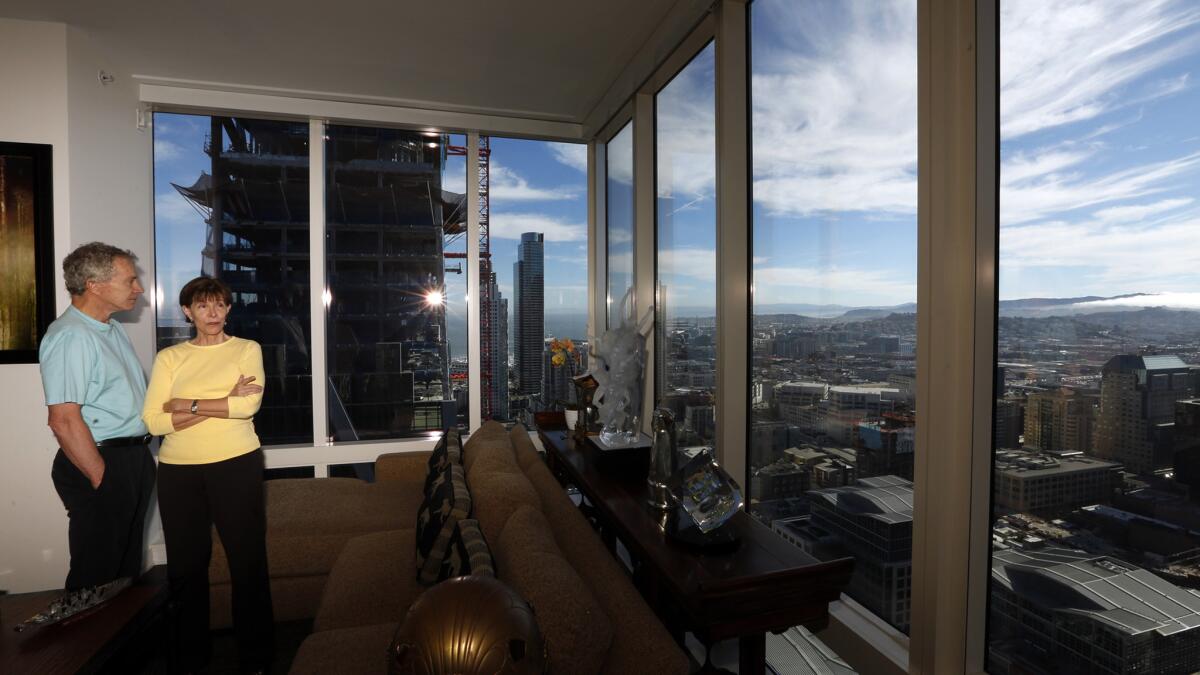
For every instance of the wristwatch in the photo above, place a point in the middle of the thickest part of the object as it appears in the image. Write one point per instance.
(195, 406)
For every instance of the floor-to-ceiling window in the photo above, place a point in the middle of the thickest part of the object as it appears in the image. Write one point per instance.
(1095, 564)
(392, 228)
(834, 269)
(618, 195)
(534, 286)
(231, 201)
(685, 217)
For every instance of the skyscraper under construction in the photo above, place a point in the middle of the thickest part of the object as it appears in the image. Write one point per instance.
(386, 219)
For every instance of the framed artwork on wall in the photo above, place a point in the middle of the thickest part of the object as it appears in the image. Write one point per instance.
(26, 249)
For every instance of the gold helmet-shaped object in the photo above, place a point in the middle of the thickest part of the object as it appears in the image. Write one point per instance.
(472, 625)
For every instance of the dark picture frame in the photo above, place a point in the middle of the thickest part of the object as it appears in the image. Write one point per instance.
(26, 249)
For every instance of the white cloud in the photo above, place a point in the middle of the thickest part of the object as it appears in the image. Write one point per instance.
(573, 155)
(1054, 181)
(172, 209)
(1172, 300)
(513, 225)
(619, 155)
(1108, 258)
(454, 179)
(781, 282)
(698, 263)
(835, 112)
(1139, 212)
(165, 150)
(1065, 61)
(508, 185)
(686, 133)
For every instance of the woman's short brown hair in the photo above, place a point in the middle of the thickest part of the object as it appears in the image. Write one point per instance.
(204, 288)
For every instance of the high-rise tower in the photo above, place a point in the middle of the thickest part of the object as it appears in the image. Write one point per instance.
(1137, 409)
(529, 273)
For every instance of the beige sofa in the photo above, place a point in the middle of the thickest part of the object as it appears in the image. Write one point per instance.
(344, 553)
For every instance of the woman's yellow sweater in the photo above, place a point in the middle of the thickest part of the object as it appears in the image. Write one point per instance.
(189, 371)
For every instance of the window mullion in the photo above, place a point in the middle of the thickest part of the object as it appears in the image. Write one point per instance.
(318, 286)
(474, 378)
(733, 238)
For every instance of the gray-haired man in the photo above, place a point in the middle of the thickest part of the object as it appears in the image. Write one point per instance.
(95, 388)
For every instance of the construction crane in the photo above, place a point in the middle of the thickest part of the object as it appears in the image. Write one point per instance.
(487, 332)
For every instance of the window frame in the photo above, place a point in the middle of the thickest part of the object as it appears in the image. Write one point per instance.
(322, 452)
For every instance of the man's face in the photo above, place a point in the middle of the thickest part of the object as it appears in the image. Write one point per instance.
(120, 292)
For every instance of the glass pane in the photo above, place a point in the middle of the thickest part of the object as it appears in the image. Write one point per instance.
(538, 258)
(834, 115)
(387, 218)
(1094, 564)
(685, 288)
(619, 210)
(231, 201)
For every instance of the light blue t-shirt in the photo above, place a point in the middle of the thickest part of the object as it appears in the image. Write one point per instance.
(93, 364)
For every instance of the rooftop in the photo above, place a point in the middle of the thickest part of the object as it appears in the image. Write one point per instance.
(1127, 598)
(888, 499)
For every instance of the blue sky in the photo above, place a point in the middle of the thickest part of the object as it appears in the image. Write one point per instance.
(834, 119)
(1100, 158)
(1100, 149)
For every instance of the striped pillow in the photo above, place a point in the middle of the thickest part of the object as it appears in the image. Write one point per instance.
(468, 553)
(448, 451)
(446, 504)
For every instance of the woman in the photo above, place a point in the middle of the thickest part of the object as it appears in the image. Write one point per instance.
(202, 398)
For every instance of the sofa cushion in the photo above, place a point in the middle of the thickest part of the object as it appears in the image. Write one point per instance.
(578, 633)
(496, 496)
(362, 649)
(490, 435)
(468, 553)
(447, 451)
(447, 502)
(310, 519)
(371, 582)
(640, 641)
(523, 446)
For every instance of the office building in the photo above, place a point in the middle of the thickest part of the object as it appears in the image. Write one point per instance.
(872, 520)
(1137, 410)
(1007, 423)
(495, 398)
(1059, 420)
(528, 325)
(1030, 482)
(886, 447)
(1068, 612)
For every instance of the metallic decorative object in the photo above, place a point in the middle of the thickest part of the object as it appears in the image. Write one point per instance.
(618, 364)
(663, 460)
(75, 602)
(585, 391)
(706, 492)
(468, 626)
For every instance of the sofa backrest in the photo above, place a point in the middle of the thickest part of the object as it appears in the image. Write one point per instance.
(640, 642)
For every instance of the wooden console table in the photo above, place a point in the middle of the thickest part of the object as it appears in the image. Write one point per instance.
(764, 584)
(105, 639)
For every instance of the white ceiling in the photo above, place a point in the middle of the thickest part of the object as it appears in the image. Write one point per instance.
(543, 59)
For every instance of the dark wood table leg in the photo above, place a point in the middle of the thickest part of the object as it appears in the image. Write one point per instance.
(752, 654)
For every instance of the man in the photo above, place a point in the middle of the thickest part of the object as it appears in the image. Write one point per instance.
(95, 388)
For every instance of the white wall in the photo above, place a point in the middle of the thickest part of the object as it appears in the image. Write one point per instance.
(49, 93)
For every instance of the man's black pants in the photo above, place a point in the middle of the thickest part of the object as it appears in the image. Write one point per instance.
(229, 494)
(107, 523)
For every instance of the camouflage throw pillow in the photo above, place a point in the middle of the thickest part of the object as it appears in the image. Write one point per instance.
(448, 451)
(468, 553)
(445, 504)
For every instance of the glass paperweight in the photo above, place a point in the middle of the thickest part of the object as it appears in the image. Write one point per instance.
(706, 492)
